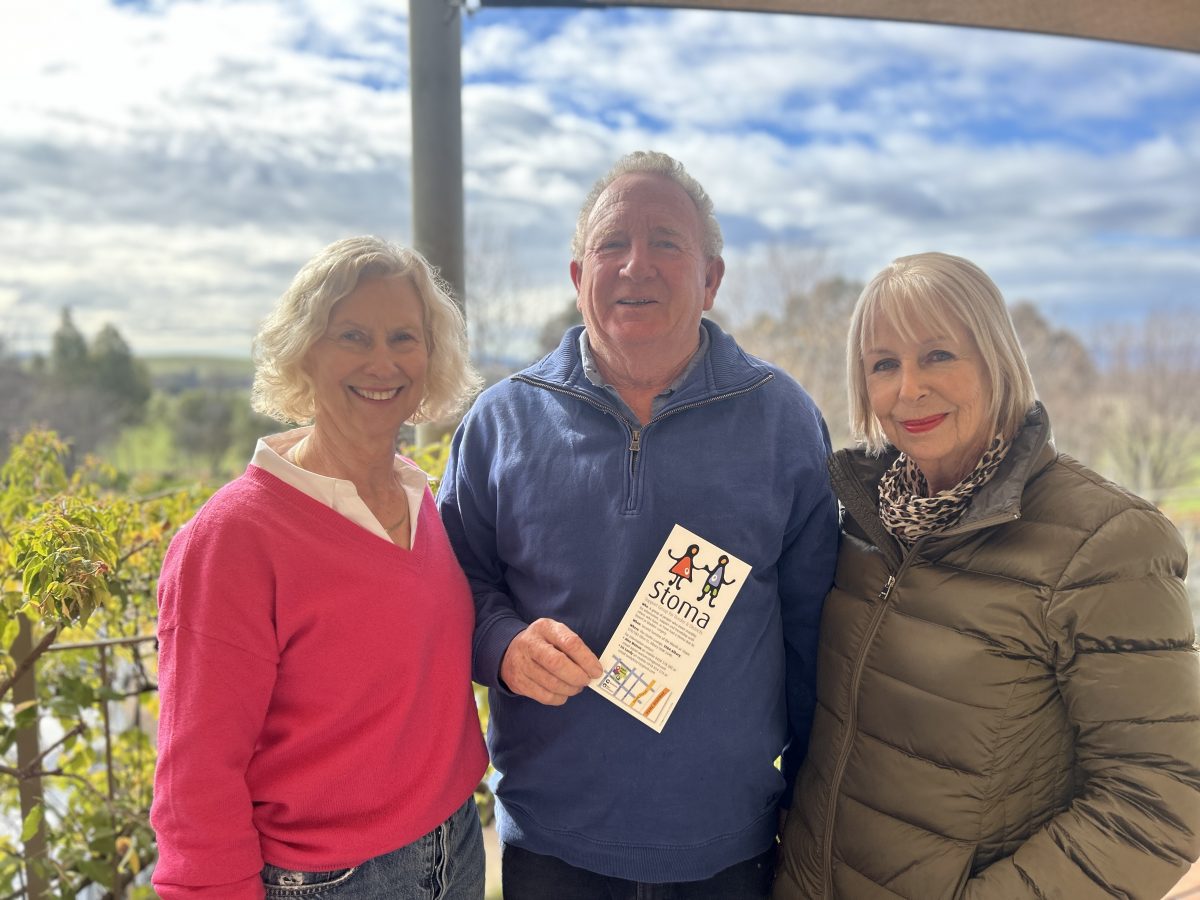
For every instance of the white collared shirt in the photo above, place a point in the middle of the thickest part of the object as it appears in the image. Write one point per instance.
(338, 494)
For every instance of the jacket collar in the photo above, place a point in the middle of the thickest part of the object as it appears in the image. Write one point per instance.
(726, 368)
(855, 477)
(1000, 498)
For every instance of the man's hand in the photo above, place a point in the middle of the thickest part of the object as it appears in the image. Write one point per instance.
(548, 662)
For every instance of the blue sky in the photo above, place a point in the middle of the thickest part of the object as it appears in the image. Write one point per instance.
(167, 166)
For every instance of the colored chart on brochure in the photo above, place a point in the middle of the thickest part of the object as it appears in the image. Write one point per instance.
(669, 625)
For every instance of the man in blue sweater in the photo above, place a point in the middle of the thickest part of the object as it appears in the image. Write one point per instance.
(563, 483)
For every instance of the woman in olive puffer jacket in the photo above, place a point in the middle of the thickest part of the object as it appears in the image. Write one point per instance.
(1008, 689)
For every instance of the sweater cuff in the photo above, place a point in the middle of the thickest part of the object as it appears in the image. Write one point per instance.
(491, 643)
(247, 889)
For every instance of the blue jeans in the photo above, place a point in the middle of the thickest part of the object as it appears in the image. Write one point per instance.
(532, 876)
(446, 864)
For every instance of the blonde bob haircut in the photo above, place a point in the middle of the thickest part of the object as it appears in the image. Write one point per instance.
(284, 391)
(945, 293)
(652, 162)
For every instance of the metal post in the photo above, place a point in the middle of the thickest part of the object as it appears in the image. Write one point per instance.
(30, 789)
(435, 80)
(435, 92)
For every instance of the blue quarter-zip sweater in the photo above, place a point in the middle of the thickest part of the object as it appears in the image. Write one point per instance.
(556, 504)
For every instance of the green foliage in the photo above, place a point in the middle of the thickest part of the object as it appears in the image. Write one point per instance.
(66, 553)
(80, 566)
(32, 822)
(147, 448)
(194, 434)
(202, 425)
(32, 472)
(431, 458)
(68, 352)
(116, 373)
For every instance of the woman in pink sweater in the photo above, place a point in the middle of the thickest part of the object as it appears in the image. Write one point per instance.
(318, 734)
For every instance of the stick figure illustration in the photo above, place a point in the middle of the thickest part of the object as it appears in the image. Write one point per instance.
(716, 578)
(683, 565)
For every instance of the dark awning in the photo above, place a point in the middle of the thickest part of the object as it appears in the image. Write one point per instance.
(1171, 24)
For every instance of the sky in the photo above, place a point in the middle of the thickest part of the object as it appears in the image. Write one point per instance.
(167, 165)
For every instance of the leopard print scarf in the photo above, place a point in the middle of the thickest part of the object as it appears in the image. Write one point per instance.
(910, 515)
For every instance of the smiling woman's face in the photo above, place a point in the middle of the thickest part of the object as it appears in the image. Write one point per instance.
(368, 368)
(930, 393)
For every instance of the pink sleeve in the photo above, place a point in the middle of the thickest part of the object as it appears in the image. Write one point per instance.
(217, 666)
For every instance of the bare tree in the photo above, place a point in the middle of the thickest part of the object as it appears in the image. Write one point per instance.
(807, 339)
(16, 396)
(1150, 418)
(1066, 378)
(495, 321)
(554, 327)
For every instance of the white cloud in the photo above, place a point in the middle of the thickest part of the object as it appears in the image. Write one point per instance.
(168, 169)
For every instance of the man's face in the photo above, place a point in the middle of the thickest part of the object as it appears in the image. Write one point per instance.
(644, 279)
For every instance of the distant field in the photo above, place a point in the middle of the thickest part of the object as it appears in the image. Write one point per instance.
(221, 366)
(175, 373)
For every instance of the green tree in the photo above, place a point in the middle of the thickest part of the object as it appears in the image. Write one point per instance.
(87, 395)
(115, 372)
(247, 427)
(69, 363)
(202, 425)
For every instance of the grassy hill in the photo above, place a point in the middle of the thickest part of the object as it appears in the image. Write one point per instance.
(172, 374)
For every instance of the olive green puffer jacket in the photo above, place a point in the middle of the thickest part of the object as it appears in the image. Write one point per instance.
(1009, 710)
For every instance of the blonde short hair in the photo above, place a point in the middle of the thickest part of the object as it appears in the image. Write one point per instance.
(652, 162)
(946, 292)
(281, 387)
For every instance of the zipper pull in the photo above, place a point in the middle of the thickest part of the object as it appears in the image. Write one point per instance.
(887, 589)
(635, 441)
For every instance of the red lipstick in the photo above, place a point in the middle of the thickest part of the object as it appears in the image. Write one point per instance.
(920, 426)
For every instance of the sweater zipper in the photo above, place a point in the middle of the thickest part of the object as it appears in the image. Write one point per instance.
(839, 770)
(635, 445)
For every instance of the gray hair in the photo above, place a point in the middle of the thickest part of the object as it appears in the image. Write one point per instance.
(946, 292)
(652, 162)
(284, 391)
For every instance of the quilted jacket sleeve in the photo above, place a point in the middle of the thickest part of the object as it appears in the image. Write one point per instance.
(1121, 638)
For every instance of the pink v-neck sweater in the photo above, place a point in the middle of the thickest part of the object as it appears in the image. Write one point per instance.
(315, 684)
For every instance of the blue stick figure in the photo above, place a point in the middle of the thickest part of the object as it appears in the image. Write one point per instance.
(716, 578)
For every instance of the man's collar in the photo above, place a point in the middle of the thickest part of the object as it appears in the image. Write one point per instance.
(592, 371)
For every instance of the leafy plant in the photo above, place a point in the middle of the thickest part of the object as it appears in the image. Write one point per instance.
(77, 586)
